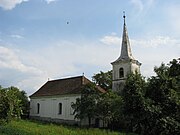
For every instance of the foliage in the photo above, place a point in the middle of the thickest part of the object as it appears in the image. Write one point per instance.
(94, 104)
(109, 107)
(163, 91)
(23, 127)
(13, 103)
(134, 101)
(85, 107)
(146, 107)
(103, 79)
(152, 107)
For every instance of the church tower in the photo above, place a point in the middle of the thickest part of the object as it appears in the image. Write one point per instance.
(125, 64)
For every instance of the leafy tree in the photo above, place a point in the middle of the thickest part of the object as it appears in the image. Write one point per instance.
(4, 106)
(13, 103)
(163, 90)
(134, 101)
(109, 108)
(103, 79)
(153, 107)
(85, 107)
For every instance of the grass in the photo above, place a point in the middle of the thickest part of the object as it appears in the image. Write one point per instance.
(25, 127)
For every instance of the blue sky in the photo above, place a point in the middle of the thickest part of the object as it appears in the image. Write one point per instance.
(36, 43)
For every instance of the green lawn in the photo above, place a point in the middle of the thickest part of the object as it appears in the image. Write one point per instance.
(22, 127)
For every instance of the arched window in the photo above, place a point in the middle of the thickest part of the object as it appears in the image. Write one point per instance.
(60, 108)
(121, 72)
(38, 108)
(71, 109)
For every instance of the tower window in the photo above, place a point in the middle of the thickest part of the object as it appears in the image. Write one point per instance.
(60, 108)
(38, 108)
(121, 72)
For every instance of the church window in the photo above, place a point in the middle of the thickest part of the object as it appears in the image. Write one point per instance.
(121, 72)
(38, 108)
(71, 109)
(60, 108)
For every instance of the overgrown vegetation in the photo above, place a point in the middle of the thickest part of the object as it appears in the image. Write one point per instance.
(145, 107)
(13, 104)
(23, 127)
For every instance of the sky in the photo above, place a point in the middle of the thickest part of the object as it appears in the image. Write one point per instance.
(43, 40)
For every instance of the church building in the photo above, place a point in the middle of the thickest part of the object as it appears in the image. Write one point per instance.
(125, 64)
(52, 102)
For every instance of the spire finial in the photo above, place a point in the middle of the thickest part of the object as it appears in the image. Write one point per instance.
(124, 16)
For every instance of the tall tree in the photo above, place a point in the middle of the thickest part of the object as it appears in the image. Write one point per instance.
(109, 108)
(153, 107)
(163, 90)
(4, 106)
(133, 96)
(13, 103)
(85, 107)
(103, 79)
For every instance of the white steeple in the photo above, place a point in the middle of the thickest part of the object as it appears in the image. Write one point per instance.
(126, 63)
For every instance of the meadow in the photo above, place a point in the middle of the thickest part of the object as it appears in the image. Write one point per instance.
(26, 127)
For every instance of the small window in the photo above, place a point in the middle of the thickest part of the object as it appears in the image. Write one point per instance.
(38, 108)
(71, 109)
(121, 72)
(60, 108)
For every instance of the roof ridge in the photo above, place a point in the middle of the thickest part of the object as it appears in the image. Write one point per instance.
(66, 78)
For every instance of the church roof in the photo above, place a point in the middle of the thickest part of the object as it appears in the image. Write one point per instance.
(64, 86)
(126, 53)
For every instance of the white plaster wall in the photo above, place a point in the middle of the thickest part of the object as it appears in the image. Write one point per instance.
(49, 107)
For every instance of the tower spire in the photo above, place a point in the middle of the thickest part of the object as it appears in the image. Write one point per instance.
(125, 48)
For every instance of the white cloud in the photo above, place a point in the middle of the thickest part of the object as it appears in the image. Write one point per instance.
(17, 36)
(49, 1)
(8, 59)
(148, 42)
(10, 4)
(14, 72)
(156, 41)
(111, 40)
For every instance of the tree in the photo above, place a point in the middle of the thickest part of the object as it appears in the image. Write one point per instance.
(4, 106)
(13, 103)
(85, 107)
(103, 79)
(134, 101)
(109, 108)
(153, 107)
(163, 90)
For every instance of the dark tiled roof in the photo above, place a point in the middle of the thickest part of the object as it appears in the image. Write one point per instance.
(71, 85)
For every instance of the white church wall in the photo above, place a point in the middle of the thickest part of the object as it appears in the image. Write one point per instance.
(49, 107)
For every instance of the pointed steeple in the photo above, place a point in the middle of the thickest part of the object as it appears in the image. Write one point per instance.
(126, 53)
